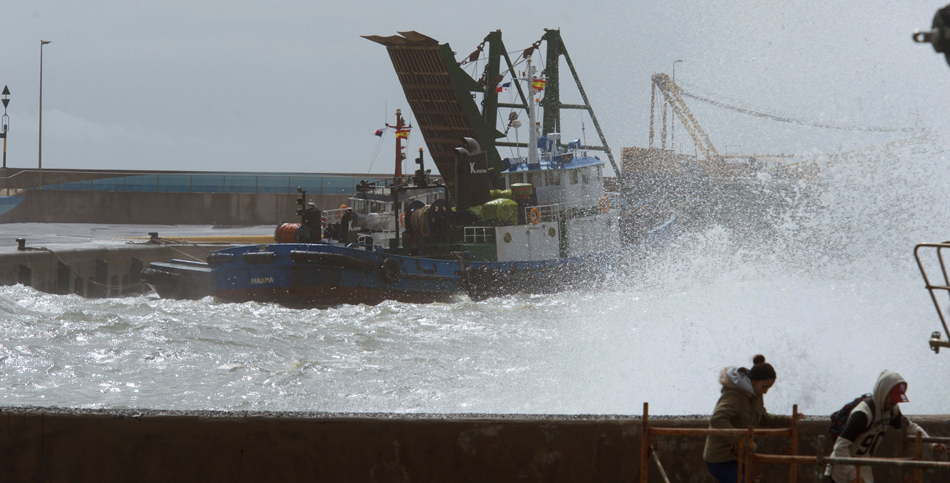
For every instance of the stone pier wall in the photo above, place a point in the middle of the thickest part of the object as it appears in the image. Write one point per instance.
(54, 445)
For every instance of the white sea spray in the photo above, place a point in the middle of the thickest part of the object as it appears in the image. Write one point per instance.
(820, 278)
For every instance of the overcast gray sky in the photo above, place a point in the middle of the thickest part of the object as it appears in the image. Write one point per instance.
(290, 85)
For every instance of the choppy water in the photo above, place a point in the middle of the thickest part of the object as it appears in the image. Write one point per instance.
(825, 286)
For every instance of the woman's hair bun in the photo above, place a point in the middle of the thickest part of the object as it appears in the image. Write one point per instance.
(758, 359)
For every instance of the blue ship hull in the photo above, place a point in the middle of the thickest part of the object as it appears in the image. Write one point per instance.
(320, 275)
(324, 275)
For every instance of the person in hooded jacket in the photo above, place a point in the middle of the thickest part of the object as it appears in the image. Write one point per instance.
(739, 407)
(867, 424)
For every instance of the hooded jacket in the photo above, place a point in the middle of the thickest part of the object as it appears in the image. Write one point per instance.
(866, 427)
(738, 408)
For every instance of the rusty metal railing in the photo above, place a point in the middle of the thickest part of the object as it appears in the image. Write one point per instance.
(935, 341)
(917, 464)
(656, 459)
(744, 448)
(748, 457)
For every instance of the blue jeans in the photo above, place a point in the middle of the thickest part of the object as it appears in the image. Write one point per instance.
(727, 472)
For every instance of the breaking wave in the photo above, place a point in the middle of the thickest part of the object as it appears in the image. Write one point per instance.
(819, 276)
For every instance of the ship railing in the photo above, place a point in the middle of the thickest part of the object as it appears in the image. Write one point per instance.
(748, 458)
(332, 216)
(940, 285)
(478, 234)
(546, 213)
(368, 245)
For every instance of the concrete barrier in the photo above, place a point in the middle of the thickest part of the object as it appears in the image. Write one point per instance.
(79, 445)
(48, 206)
(91, 272)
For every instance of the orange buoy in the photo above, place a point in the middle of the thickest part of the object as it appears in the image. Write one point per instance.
(534, 216)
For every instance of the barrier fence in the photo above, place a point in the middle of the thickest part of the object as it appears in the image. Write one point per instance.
(748, 457)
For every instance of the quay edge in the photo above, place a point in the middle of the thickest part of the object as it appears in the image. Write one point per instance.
(102, 271)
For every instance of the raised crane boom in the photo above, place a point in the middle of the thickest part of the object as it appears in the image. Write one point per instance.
(674, 97)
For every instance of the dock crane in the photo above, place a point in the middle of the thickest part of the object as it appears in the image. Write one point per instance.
(717, 166)
(673, 96)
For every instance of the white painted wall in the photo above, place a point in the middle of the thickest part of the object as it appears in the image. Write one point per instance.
(528, 242)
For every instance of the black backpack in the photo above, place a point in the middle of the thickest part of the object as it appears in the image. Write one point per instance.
(839, 418)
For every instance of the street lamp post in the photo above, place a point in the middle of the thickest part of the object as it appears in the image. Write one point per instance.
(673, 122)
(39, 175)
(5, 124)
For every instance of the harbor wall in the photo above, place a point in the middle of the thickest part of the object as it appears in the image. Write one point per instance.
(54, 445)
(105, 271)
(109, 207)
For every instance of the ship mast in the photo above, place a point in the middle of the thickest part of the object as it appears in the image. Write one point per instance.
(532, 117)
(402, 132)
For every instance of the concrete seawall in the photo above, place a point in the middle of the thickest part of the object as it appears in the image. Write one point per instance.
(47, 206)
(140, 445)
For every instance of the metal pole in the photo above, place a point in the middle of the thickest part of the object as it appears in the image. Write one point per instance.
(645, 443)
(5, 124)
(652, 109)
(892, 462)
(793, 469)
(750, 456)
(656, 459)
(931, 439)
(39, 151)
(663, 131)
(673, 118)
(742, 461)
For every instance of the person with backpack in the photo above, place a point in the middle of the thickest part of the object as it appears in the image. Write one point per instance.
(740, 405)
(866, 420)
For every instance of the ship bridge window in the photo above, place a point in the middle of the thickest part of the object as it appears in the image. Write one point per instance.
(552, 178)
(515, 178)
(585, 175)
(574, 178)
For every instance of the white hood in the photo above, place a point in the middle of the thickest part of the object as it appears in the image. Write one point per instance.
(737, 378)
(885, 382)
